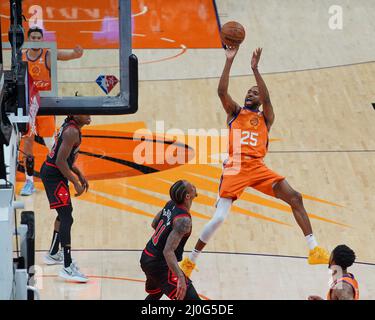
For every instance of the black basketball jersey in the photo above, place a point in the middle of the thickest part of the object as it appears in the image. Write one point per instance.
(51, 157)
(155, 246)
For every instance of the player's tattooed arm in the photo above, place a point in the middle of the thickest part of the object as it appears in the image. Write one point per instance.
(230, 106)
(264, 95)
(154, 223)
(345, 292)
(181, 227)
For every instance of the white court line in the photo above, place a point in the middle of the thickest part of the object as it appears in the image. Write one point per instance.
(144, 11)
(168, 40)
(182, 46)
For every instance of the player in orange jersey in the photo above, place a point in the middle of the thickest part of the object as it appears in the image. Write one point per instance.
(344, 286)
(245, 167)
(39, 66)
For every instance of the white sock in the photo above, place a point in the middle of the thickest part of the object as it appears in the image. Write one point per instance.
(311, 242)
(194, 255)
(31, 178)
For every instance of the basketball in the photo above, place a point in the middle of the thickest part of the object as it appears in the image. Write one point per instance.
(232, 33)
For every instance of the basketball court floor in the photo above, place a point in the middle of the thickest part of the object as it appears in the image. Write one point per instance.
(321, 81)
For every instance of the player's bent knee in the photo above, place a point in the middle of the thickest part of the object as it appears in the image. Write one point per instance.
(70, 220)
(296, 199)
(67, 221)
(65, 215)
(217, 221)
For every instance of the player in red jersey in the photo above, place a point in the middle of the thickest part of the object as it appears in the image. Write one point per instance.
(159, 259)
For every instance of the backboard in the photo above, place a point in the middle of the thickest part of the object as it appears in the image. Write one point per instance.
(104, 77)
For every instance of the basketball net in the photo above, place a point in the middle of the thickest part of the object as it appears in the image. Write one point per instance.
(34, 103)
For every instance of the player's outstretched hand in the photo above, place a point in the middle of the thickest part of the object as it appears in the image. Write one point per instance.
(256, 57)
(181, 288)
(79, 188)
(78, 52)
(231, 52)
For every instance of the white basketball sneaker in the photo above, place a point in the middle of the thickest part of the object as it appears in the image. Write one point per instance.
(72, 273)
(52, 259)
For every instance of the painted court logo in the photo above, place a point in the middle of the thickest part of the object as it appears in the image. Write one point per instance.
(106, 157)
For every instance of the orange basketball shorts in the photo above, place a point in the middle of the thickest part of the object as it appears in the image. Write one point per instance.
(237, 176)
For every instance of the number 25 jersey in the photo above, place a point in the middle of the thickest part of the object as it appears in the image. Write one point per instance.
(248, 134)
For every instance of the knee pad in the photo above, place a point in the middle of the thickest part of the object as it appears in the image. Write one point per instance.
(221, 213)
(29, 165)
(216, 221)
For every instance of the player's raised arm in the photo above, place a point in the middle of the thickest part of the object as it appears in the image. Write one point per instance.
(230, 107)
(76, 53)
(181, 227)
(63, 55)
(263, 91)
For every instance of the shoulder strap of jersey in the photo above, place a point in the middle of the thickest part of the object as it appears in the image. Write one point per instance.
(46, 53)
(31, 60)
(234, 117)
(71, 123)
(184, 212)
(349, 279)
